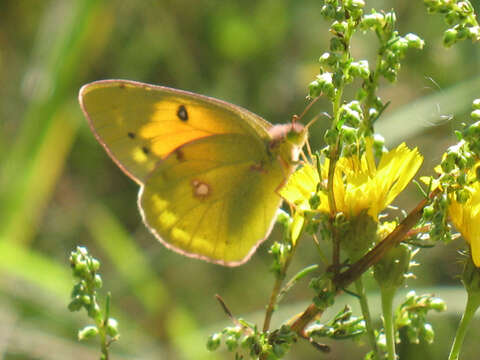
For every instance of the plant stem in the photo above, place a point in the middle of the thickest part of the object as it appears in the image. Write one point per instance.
(473, 302)
(102, 331)
(272, 302)
(388, 323)
(366, 316)
(277, 287)
(304, 319)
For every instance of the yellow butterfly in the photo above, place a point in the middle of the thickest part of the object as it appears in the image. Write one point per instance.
(208, 170)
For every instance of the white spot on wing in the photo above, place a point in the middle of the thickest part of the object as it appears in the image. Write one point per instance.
(200, 189)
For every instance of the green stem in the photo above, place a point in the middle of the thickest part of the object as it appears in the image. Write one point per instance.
(104, 344)
(388, 323)
(366, 316)
(371, 88)
(273, 301)
(277, 287)
(473, 302)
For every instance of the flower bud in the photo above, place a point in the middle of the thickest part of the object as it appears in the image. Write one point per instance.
(414, 41)
(95, 264)
(314, 89)
(450, 37)
(87, 332)
(231, 342)
(340, 26)
(428, 333)
(349, 134)
(336, 44)
(359, 69)
(437, 304)
(475, 114)
(112, 327)
(325, 82)
(213, 341)
(98, 281)
(94, 311)
(373, 21)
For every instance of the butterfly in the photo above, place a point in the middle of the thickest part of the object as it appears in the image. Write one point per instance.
(208, 170)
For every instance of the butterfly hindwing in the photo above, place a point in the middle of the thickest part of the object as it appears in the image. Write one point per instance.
(214, 198)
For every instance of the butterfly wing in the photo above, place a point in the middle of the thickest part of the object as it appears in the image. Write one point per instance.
(215, 199)
(140, 124)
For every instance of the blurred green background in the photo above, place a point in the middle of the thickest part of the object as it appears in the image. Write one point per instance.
(59, 189)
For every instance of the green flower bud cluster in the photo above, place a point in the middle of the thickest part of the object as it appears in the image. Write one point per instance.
(84, 295)
(393, 46)
(271, 345)
(394, 51)
(323, 84)
(338, 68)
(458, 160)
(280, 250)
(342, 10)
(411, 316)
(471, 134)
(379, 145)
(343, 326)
(435, 215)
(460, 16)
(84, 268)
(325, 291)
(350, 118)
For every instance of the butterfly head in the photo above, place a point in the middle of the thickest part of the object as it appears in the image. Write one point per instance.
(288, 140)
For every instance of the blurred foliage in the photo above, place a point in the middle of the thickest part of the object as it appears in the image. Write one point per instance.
(58, 188)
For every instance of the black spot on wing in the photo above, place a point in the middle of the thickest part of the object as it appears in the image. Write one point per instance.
(182, 113)
(145, 150)
(179, 155)
(131, 135)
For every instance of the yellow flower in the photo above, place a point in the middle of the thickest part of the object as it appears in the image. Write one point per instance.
(466, 217)
(359, 185)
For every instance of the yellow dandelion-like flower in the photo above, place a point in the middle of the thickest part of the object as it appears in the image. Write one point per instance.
(466, 217)
(359, 185)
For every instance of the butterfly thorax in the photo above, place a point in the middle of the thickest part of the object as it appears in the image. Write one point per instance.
(286, 141)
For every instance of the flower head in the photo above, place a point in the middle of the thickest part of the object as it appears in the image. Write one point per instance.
(359, 185)
(466, 216)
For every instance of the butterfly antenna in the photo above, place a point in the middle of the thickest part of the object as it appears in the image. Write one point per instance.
(296, 118)
(302, 153)
(225, 308)
(311, 122)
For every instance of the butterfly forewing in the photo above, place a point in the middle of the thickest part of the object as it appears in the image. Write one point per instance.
(139, 124)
